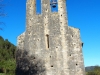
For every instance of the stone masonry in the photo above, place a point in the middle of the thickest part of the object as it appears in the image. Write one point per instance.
(49, 38)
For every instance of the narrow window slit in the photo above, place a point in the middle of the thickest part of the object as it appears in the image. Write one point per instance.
(47, 37)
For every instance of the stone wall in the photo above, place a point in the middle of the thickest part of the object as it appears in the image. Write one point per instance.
(48, 38)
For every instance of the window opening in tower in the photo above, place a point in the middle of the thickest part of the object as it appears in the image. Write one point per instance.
(38, 7)
(53, 3)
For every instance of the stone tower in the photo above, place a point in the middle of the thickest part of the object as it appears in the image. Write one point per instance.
(48, 38)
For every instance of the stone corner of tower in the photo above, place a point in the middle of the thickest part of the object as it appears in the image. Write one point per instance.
(73, 28)
(21, 37)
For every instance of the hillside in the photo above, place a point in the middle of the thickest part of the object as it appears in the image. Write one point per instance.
(92, 70)
(7, 57)
(89, 68)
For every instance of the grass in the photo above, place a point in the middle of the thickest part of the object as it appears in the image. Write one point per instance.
(2, 74)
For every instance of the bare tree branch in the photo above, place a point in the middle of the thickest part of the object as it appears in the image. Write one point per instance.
(2, 13)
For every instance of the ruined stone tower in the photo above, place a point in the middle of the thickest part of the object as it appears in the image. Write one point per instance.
(49, 39)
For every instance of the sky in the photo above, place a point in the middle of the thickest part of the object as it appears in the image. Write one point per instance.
(82, 14)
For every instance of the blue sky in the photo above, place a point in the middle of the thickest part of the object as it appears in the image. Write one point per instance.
(82, 14)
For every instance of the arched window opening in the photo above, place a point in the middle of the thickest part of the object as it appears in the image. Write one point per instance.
(38, 6)
(54, 5)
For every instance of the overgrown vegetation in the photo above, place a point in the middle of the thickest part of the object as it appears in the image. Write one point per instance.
(7, 57)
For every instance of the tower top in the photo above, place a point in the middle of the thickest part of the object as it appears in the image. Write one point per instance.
(50, 5)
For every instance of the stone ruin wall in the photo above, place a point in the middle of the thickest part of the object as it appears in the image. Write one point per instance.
(49, 38)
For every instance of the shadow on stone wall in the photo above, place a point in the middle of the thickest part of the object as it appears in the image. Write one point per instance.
(26, 65)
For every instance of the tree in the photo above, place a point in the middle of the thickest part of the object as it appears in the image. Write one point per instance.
(7, 57)
(96, 71)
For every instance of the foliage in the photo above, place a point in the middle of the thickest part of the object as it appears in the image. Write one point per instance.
(7, 57)
(96, 71)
